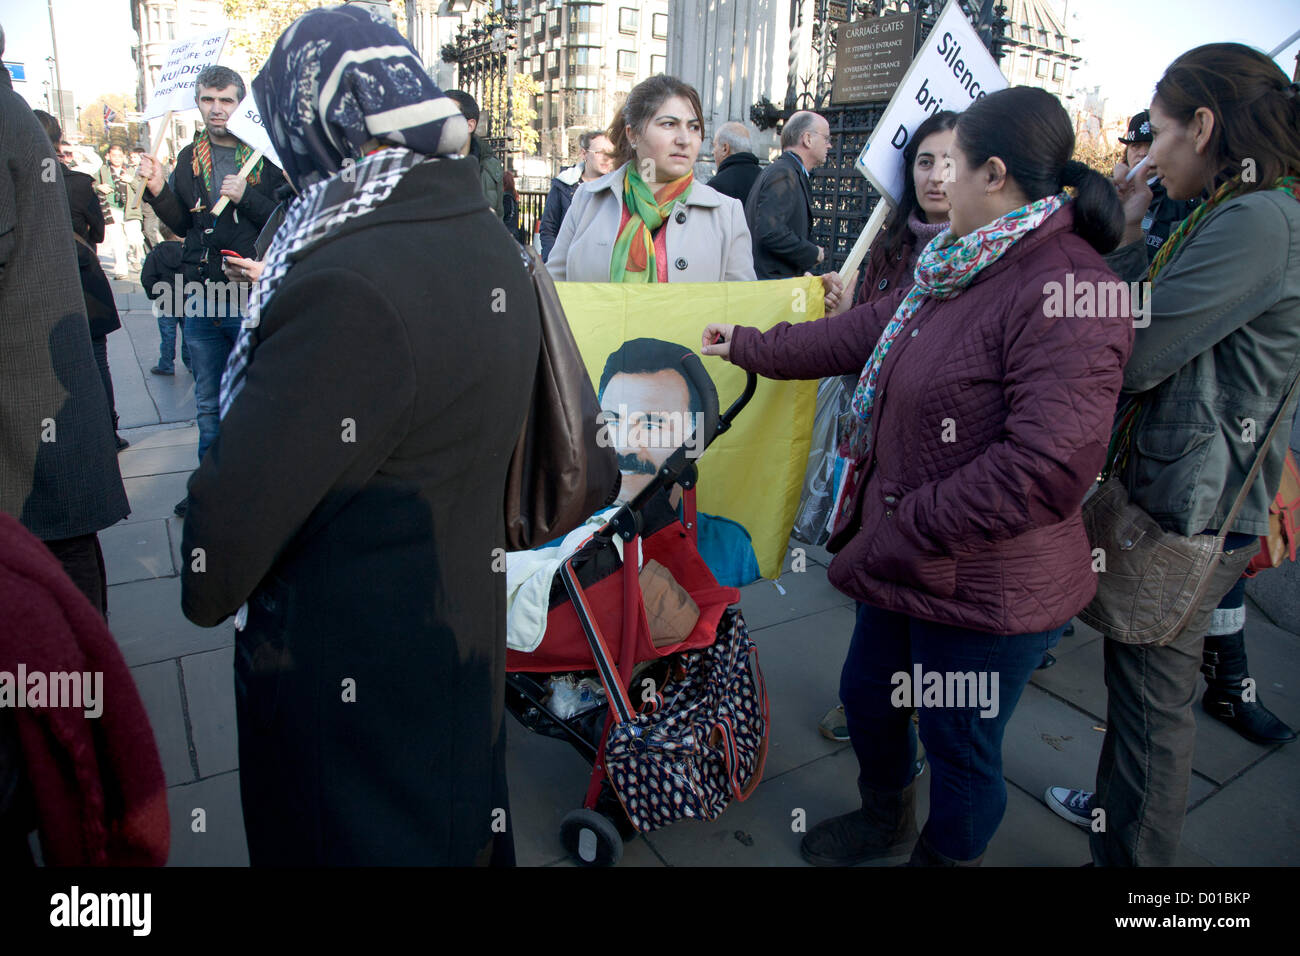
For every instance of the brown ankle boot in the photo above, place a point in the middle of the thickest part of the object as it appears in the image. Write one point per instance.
(884, 827)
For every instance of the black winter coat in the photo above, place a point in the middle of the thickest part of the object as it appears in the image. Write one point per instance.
(736, 176)
(355, 498)
(779, 213)
(88, 223)
(236, 228)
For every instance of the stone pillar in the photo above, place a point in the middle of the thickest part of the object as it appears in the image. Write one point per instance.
(737, 51)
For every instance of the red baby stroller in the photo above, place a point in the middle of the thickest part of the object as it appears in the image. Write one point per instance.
(700, 729)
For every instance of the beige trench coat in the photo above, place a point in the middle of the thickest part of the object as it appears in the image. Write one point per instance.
(707, 241)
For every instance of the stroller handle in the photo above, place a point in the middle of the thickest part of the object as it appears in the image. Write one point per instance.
(625, 522)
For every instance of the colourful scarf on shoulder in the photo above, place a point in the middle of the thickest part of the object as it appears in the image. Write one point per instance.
(634, 249)
(202, 160)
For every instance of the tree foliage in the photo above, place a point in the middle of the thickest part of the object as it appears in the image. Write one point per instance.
(522, 113)
(257, 24)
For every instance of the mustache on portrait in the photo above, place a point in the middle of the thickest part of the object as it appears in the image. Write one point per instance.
(631, 464)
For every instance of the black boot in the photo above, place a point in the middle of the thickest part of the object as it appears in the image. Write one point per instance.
(926, 855)
(1224, 666)
(884, 827)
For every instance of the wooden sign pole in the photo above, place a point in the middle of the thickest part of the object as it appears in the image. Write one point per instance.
(868, 236)
(243, 171)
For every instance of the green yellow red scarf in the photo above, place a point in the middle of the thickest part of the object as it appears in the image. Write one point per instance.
(202, 160)
(1288, 184)
(634, 249)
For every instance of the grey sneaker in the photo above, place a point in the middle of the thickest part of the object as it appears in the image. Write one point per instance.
(1072, 805)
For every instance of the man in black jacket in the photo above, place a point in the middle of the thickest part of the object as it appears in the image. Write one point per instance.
(595, 160)
(779, 207)
(206, 172)
(737, 165)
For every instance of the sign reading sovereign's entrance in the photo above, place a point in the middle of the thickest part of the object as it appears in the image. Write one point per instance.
(871, 57)
(174, 90)
(950, 72)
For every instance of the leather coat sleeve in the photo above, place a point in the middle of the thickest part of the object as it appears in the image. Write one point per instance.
(1061, 379)
(833, 345)
(284, 446)
(1232, 269)
(772, 210)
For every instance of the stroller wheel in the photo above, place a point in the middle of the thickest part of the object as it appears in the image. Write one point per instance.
(591, 838)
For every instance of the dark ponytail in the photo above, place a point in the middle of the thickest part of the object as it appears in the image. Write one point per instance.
(1098, 213)
(1029, 130)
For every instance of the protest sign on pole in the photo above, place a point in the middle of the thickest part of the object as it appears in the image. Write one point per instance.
(174, 91)
(245, 124)
(951, 71)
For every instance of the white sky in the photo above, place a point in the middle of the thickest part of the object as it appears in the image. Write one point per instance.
(1126, 44)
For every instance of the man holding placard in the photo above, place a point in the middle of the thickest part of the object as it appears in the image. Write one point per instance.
(221, 194)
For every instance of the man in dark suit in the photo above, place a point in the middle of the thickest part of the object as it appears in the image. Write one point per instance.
(737, 165)
(58, 464)
(779, 207)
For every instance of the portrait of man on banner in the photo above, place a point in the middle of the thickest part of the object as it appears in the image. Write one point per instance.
(656, 396)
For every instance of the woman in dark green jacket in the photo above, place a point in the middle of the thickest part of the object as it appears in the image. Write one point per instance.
(1214, 356)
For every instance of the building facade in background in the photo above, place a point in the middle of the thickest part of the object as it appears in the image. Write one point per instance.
(1038, 49)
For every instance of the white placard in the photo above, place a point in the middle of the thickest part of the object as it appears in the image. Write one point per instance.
(185, 60)
(245, 123)
(951, 71)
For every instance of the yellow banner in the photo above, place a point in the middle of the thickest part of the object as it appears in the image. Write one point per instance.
(753, 474)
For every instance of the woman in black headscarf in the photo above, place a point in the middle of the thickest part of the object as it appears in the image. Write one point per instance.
(355, 494)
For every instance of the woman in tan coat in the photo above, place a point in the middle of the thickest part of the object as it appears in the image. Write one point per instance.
(650, 220)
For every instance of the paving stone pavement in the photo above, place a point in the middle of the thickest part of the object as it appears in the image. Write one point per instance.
(1242, 806)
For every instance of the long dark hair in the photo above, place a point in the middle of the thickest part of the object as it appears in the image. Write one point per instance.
(897, 233)
(639, 109)
(1256, 110)
(1028, 129)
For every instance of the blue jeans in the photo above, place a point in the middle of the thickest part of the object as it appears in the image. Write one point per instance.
(167, 325)
(210, 341)
(963, 744)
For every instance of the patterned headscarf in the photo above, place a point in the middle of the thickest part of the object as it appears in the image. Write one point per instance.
(337, 79)
(340, 77)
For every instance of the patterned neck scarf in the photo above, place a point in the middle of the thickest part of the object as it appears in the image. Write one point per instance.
(945, 267)
(634, 249)
(202, 161)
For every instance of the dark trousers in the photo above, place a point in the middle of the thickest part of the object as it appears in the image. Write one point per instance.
(963, 744)
(83, 562)
(99, 343)
(1145, 768)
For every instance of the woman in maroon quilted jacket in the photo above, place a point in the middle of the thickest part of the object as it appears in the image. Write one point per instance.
(983, 411)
